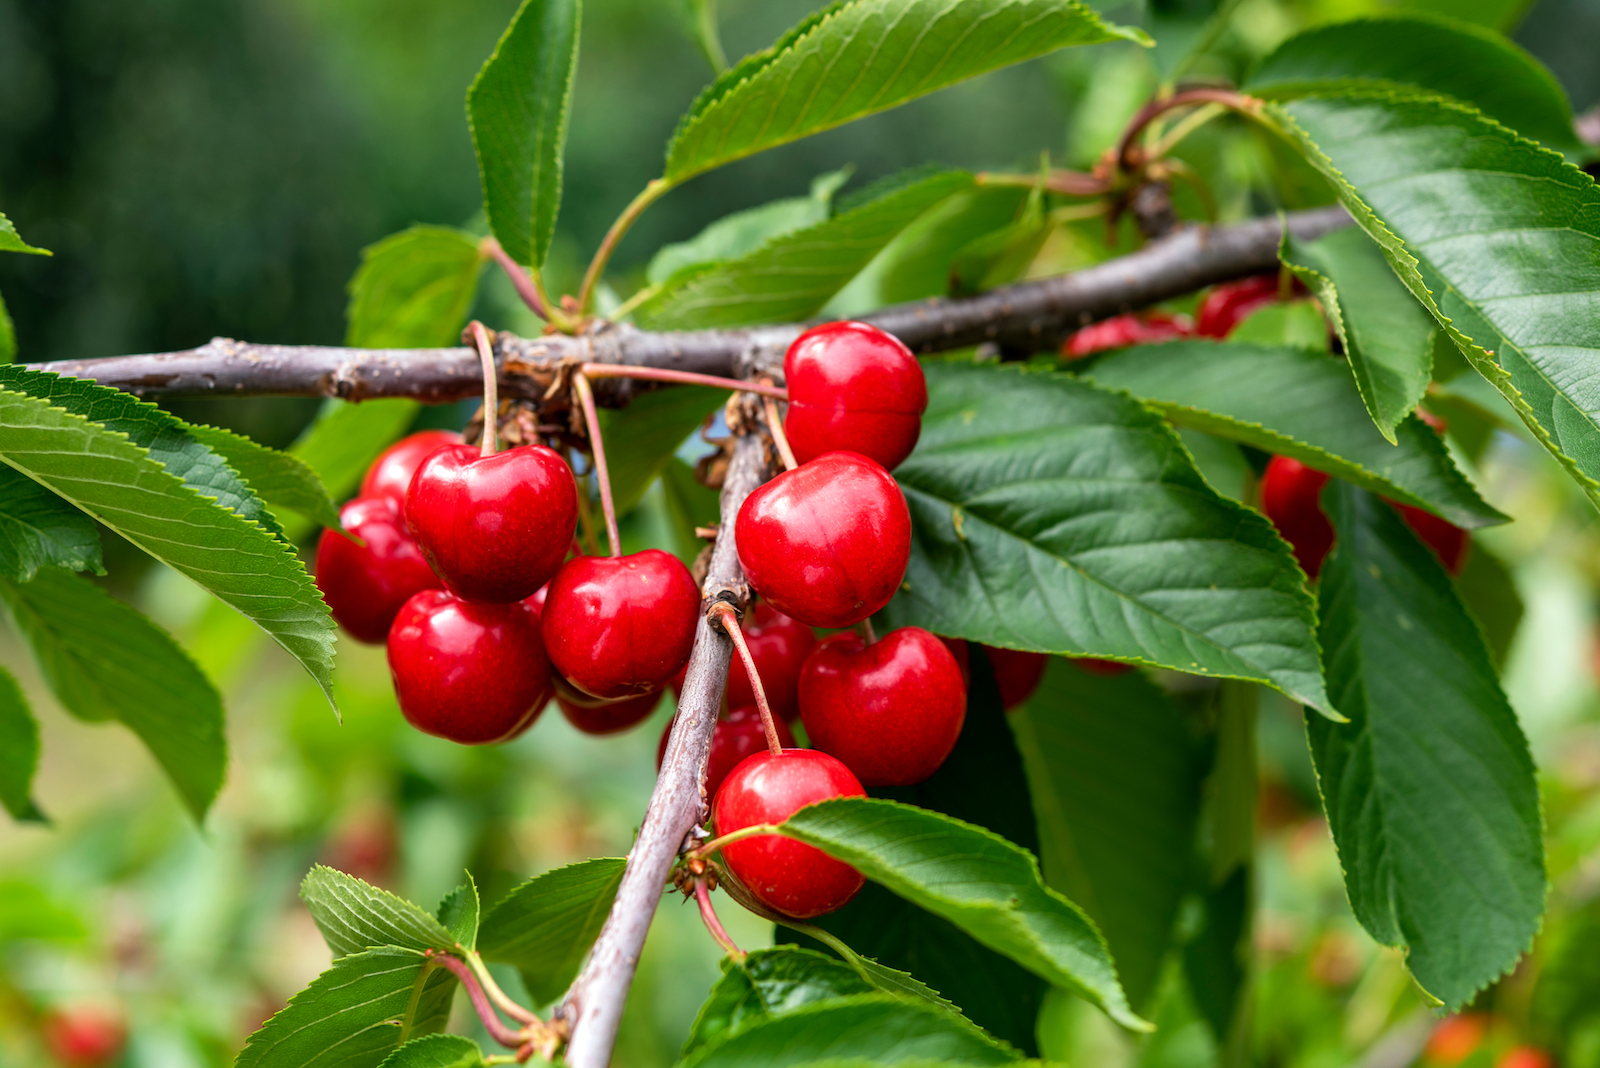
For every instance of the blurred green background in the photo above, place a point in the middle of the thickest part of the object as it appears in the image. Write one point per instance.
(204, 168)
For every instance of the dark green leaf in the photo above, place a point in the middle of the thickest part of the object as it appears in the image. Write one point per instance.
(436, 1051)
(1429, 788)
(1493, 234)
(277, 477)
(458, 913)
(1051, 515)
(859, 57)
(768, 983)
(1476, 66)
(975, 879)
(355, 1014)
(1117, 797)
(8, 335)
(1387, 335)
(104, 660)
(1490, 594)
(1569, 973)
(546, 926)
(413, 289)
(517, 108)
(345, 438)
(792, 276)
(689, 505)
(19, 751)
(1000, 256)
(1301, 404)
(39, 529)
(868, 1029)
(1216, 959)
(642, 437)
(10, 241)
(353, 915)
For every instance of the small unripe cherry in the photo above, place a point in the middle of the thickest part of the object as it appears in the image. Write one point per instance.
(779, 646)
(790, 877)
(737, 735)
(828, 542)
(365, 585)
(853, 388)
(1120, 331)
(391, 473)
(621, 626)
(591, 715)
(1017, 673)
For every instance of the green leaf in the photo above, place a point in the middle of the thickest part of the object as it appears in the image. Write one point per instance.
(1000, 256)
(1490, 594)
(1387, 335)
(689, 505)
(1429, 788)
(791, 277)
(873, 1029)
(276, 477)
(978, 881)
(27, 912)
(545, 926)
(345, 438)
(1493, 234)
(39, 529)
(1216, 960)
(1051, 515)
(19, 751)
(517, 108)
(860, 57)
(458, 913)
(436, 1051)
(414, 289)
(8, 335)
(768, 983)
(10, 241)
(1300, 404)
(353, 915)
(1117, 797)
(642, 437)
(126, 488)
(355, 1014)
(104, 660)
(702, 18)
(1472, 65)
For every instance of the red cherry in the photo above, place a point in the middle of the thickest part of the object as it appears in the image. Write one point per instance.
(1231, 303)
(794, 878)
(853, 388)
(1448, 541)
(495, 528)
(959, 649)
(1120, 331)
(1017, 673)
(828, 542)
(891, 711)
(472, 673)
(620, 626)
(779, 646)
(366, 585)
(391, 472)
(84, 1037)
(1455, 1038)
(1525, 1057)
(591, 715)
(1290, 497)
(1106, 668)
(738, 734)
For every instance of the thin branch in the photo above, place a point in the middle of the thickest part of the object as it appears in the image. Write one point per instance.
(522, 281)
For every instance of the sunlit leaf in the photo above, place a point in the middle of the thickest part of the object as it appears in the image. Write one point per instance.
(353, 915)
(545, 926)
(413, 289)
(39, 529)
(19, 751)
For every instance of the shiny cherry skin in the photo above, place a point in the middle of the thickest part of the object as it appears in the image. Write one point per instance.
(1120, 331)
(390, 474)
(853, 388)
(1291, 497)
(473, 673)
(828, 542)
(365, 585)
(1017, 673)
(495, 528)
(890, 711)
(738, 734)
(591, 715)
(791, 877)
(621, 626)
(1226, 306)
(84, 1037)
(1105, 668)
(1448, 541)
(779, 646)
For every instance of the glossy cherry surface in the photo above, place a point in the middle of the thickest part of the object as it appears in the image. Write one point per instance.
(390, 474)
(495, 528)
(1291, 498)
(854, 388)
(779, 646)
(621, 626)
(738, 734)
(828, 542)
(1226, 306)
(794, 878)
(890, 711)
(472, 673)
(365, 585)
(591, 715)
(1120, 331)
(1016, 673)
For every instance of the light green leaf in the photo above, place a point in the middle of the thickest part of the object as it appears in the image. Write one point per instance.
(345, 438)
(791, 277)
(8, 335)
(1049, 514)
(978, 881)
(414, 289)
(10, 241)
(859, 57)
(642, 437)
(353, 915)
(28, 912)
(1117, 798)
(1300, 404)
(517, 108)
(767, 983)
(1387, 335)
(458, 912)
(39, 529)
(545, 926)
(276, 477)
(104, 660)
(1436, 55)
(1429, 788)
(355, 1014)
(436, 1051)
(689, 505)
(19, 751)
(1496, 236)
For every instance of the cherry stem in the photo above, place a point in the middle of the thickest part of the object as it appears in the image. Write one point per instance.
(480, 1003)
(868, 635)
(702, 896)
(1123, 153)
(591, 416)
(525, 283)
(711, 845)
(725, 612)
(491, 390)
(779, 438)
(602, 255)
(688, 378)
(500, 998)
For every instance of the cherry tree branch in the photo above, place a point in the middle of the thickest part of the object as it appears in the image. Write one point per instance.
(1028, 316)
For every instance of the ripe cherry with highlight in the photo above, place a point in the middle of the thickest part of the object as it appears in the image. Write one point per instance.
(854, 388)
(391, 473)
(738, 734)
(365, 585)
(621, 626)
